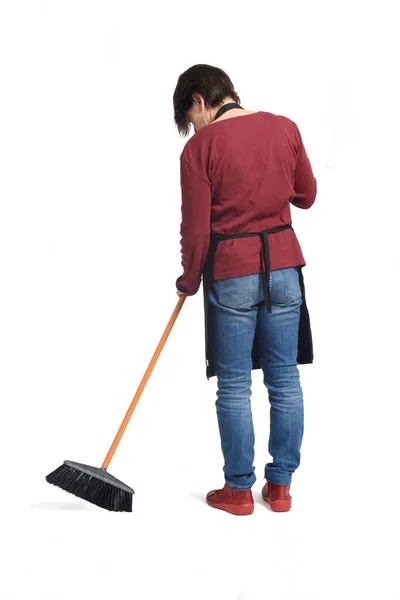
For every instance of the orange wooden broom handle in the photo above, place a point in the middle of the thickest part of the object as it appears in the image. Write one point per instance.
(142, 385)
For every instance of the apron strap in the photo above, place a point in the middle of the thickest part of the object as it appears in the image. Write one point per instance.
(265, 263)
(265, 269)
(264, 258)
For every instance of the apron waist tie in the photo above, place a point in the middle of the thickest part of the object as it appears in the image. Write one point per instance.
(264, 258)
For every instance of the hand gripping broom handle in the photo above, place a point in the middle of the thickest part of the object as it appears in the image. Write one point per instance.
(142, 384)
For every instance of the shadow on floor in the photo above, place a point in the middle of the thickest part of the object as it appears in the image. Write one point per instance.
(59, 505)
(198, 496)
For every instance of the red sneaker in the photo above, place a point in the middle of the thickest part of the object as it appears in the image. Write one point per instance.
(236, 502)
(277, 496)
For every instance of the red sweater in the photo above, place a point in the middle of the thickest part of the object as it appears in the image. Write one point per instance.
(240, 174)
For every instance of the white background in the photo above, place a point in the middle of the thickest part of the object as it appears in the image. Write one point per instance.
(89, 251)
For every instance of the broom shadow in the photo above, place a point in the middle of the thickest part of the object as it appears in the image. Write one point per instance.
(59, 506)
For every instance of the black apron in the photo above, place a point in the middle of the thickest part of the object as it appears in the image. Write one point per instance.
(305, 345)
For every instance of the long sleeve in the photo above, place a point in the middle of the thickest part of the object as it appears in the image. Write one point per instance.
(195, 226)
(305, 184)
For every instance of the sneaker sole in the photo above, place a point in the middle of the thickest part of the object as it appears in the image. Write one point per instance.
(279, 505)
(244, 509)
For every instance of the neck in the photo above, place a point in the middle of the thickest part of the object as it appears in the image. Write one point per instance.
(223, 115)
(225, 101)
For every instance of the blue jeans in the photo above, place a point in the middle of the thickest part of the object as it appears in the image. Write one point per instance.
(236, 311)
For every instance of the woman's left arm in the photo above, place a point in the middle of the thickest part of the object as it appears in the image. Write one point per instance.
(195, 226)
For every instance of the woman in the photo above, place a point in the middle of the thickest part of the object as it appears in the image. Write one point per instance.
(240, 172)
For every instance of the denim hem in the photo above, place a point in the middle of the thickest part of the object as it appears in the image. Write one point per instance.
(241, 489)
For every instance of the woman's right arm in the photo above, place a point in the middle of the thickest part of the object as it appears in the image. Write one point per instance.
(305, 184)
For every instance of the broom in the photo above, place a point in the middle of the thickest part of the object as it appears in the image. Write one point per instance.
(94, 484)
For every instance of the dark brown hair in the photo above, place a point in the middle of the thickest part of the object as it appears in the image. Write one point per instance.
(210, 82)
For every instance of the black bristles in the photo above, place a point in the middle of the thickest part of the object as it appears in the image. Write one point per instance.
(91, 488)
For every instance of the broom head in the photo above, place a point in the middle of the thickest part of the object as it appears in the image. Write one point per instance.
(93, 484)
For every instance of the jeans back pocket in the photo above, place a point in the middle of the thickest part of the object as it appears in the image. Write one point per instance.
(285, 286)
(293, 289)
(237, 292)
